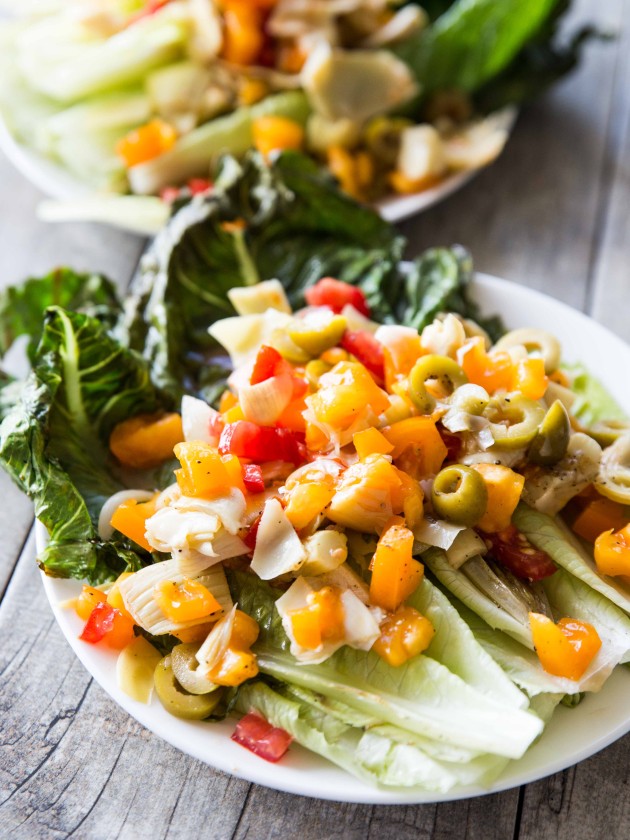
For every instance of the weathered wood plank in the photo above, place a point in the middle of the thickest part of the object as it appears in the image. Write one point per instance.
(71, 762)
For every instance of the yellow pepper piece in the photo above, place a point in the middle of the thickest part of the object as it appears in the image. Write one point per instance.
(146, 440)
(599, 515)
(146, 142)
(205, 473)
(87, 600)
(273, 134)
(367, 495)
(228, 400)
(490, 370)
(345, 393)
(612, 552)
(130, 519)
(404, 634)
(412, 499)
(395, 574)
(238, 663)
(418, 443)
(321, 620)
(529, 378)
(114, 597)
(565, 649)
(197, 633)
(504, 488)
(243, 36)
(233, 414)
(186, 601)
(306, 501)
(371, 441)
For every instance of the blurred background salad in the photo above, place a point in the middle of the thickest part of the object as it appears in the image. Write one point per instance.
(143, 96)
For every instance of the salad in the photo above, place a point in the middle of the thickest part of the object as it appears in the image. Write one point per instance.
(143, 96)
(384, 535)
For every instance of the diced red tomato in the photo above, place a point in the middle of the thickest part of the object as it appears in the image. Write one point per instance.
(452, 442)
(170, 194)
(367, 350)
(253, 478)
(262, 443)
(257, 735)
(270, 363)
(513, 550)
(336, 294)
(99, 623)
(199, 185)
(250, 537)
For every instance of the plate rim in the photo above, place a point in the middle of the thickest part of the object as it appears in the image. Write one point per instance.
(255, 770)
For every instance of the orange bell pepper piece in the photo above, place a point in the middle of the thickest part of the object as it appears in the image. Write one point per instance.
(87, 600)
(395, 574)
(344, 392)
(368, 493)
(147, 142)
(504, 488)
(599, 515)
(529, 378)
(371, 441)
(412, 499)
(146, 440)
(306, 501)
(292, 417)
(612, 552)
(243, 36)
(420, 445)
(130, 519)
(186, 601)
(404, 634)
(238, 663)
(272, 134)
(321, 620)
(228, 400)
(115, 598)
(565, 649)
(204, 472)
(490, 370)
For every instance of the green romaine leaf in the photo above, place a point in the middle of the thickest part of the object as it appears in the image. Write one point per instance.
(53, 441)
(472, 42)
(422, 696)
(594, 403)
(22, 307)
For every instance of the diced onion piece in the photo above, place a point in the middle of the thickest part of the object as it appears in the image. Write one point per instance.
(170, 529)
(105, 529)
(357, 321)
(229, 508)
(445, 336)
(421, 156)
(278, 548)
(264, 402)
(325, 551)
(135, 667)
(242, 336)
(138, 595)
(191, 562)
(549, 490)
(343, 577)
(197, 420)
(211, 651)
(402, 343)
(360, 625)
(437, 532)
(477, 144)
(254, 300)
(614, 473)
(466, 544)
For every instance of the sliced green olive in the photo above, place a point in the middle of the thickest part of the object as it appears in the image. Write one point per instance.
(606, 432)
(382, 137)
(550, 444)
(614, 471)
(315, 336)
(434, 368)
(539, 341)
(287, 348)
(459, 495)
(186, 670)
(177, 700)
(514, 420)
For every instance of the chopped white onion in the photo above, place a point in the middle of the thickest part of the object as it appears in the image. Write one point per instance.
(264, 402)
(278, 548)
(437, 532)
(197, 420)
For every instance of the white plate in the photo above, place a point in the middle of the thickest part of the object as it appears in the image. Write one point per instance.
(572, 735)
(58, 183)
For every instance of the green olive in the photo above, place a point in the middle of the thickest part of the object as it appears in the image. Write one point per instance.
(606, 432)
(459, 495)
(514, 420)
(437, 368)
(382, 138)
(288, 349)
(179, 702)
(317, 336)
(542, 342)
(185, 668)
(550, 444)
(314, 369)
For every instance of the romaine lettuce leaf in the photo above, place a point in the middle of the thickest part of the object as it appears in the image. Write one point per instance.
(565, 549)
(422, 696)
(594, 403)
(53, 441)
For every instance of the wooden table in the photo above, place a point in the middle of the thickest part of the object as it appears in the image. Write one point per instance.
(552, 213)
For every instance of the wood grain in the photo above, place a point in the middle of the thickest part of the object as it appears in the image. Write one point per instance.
(552, 214)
